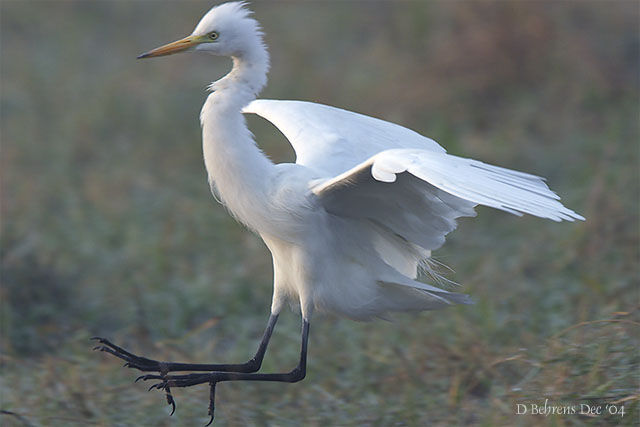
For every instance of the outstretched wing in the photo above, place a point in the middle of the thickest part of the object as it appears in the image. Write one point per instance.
(332, 140)
(466, 179)
(397, 178)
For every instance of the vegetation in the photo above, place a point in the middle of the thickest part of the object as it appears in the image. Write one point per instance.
(108, 227)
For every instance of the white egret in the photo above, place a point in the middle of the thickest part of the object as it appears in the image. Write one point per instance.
(351, 222)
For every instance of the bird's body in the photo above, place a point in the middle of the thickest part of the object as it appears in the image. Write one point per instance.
(321, 261)
(353, 221)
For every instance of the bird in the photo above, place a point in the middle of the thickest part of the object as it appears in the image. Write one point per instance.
(351, 224)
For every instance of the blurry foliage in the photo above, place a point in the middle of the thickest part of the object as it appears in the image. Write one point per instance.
(108, 227)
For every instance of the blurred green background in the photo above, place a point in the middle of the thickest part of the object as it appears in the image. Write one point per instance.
(108, 226)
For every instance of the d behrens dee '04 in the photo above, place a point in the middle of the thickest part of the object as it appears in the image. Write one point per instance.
(350, 222)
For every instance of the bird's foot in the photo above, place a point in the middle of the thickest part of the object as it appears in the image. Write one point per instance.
(208, 372)
(137, 362)
(166, 381)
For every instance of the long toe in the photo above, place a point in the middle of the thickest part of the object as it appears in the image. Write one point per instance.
(170, 400)
(212, 401)
(132, 361)
(149, 377)
(159, 386)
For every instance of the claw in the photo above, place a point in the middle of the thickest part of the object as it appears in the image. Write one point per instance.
(170, 400)
(158, 386)
(209, 423)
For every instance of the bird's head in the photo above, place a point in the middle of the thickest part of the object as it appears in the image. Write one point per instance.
(226, 30)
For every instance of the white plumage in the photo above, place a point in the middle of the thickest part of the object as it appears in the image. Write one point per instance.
(366, 202)
(352, 221)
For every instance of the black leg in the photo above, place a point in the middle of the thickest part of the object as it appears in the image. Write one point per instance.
(149, 365)
(297, 374)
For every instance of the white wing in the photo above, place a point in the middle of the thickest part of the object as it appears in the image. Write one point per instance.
(332, 140)
(397, 178)
(471, 180)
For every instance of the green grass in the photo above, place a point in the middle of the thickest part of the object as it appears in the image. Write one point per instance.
(108, 227)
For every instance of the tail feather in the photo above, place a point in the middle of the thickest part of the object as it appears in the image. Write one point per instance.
(438, 297)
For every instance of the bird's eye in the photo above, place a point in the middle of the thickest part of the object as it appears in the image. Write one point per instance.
(213, 35)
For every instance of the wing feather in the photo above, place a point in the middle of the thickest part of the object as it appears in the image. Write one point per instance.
(409, 207)
(333, 140)
(467, 179)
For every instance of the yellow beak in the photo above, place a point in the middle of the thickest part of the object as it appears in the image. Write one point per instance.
(174, 47)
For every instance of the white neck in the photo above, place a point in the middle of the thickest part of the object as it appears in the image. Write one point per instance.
(238, 170)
